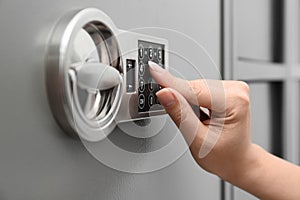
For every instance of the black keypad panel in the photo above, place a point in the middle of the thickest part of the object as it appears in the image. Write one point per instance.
(154, 52)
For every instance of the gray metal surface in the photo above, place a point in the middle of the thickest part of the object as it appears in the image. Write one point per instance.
(261, 121)
(254, 29)
(292, 97)
(38, 161)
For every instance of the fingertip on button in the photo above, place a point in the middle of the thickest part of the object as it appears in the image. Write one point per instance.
(166, 97)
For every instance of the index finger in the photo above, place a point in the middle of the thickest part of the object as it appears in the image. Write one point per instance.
(204, 93)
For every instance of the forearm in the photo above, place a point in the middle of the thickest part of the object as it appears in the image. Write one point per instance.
(268, 177)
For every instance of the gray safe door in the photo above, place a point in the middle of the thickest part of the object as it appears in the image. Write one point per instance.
(38, 160)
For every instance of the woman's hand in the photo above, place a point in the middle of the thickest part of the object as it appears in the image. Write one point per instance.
(222, 144)
(228, 102)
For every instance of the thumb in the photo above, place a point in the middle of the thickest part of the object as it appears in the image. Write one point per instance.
(182, 114)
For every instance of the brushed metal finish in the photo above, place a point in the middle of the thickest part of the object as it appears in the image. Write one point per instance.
(98, 122)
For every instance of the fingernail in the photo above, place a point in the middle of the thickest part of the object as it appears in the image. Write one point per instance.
(155, 67)
(165, 97)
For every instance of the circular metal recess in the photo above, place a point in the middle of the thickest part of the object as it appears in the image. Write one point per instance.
(82, 39)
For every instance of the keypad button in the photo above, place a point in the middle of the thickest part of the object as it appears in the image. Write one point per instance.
(141, 51)
(141, 101)
(151, 100)
(150, 84)
(150, 53)
(141, 84)
(155, 53)
(141, 69)
(159, 54)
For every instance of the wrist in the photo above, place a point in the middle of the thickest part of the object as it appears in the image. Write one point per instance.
(245, 168)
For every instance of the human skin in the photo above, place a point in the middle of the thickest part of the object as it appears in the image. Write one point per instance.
(234, 158)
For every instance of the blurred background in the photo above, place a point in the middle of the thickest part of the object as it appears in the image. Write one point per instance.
(256, 41)
(260, 41)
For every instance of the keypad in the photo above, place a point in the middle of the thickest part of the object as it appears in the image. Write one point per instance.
(154, 52)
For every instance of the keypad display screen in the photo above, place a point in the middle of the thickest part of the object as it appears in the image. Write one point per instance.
(147, 87)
